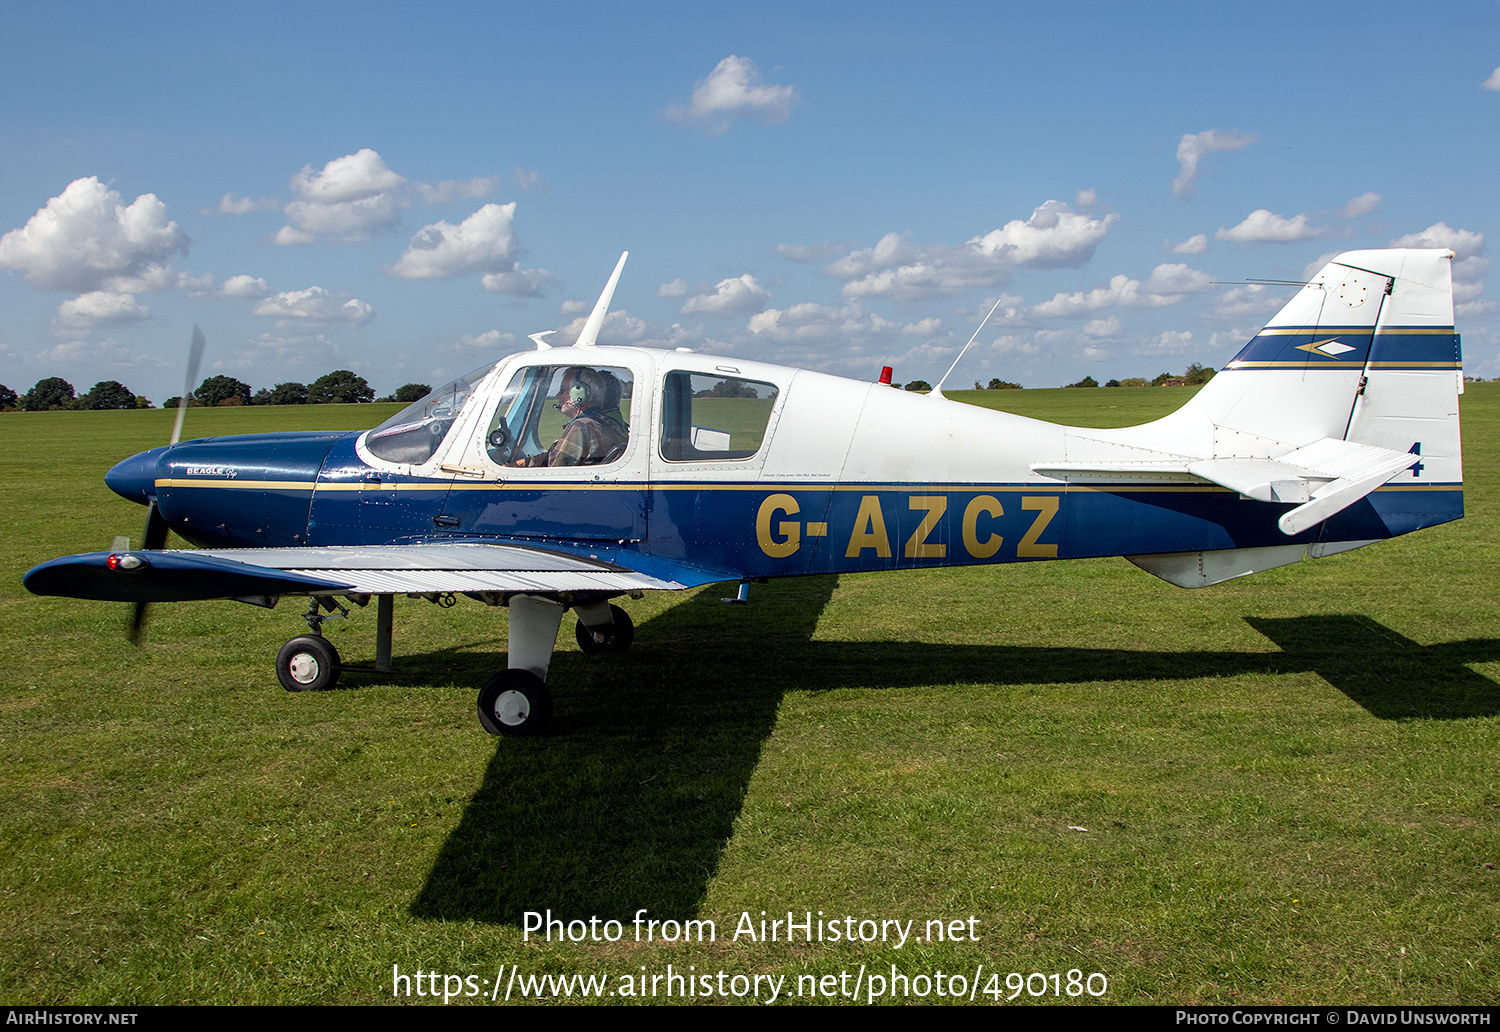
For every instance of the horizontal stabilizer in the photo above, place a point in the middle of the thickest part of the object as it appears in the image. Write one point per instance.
(1322, 478)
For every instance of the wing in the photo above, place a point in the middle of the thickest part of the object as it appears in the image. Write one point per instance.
(191, 575)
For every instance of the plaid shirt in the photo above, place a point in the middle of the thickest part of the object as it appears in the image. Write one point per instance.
(588, 440)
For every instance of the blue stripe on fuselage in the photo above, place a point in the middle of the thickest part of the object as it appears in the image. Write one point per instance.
(769, 530)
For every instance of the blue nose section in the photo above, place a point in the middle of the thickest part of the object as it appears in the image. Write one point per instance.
(135, 478)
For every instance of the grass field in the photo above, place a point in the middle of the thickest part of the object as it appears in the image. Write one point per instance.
(1290, 783)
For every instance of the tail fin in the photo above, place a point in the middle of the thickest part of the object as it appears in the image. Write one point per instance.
(1351, 388)
(1365, 352)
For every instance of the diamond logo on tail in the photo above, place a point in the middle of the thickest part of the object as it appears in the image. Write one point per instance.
(1332, 347)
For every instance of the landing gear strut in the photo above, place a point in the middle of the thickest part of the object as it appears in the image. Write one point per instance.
(514, 702)
(517, 702)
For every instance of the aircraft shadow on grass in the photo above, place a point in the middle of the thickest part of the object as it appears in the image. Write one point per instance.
(632, 800)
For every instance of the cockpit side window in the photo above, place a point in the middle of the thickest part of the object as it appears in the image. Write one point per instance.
(707, 418)
(562, 416)
(414, 434)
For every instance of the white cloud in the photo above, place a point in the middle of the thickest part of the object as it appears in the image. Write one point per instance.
(229, 204)
(1469, 267)
(87, 239)
(489, 341)
(677, 288)
(810, 252)
(1493, 82)
(891, 250)
(1013, 344)
(811, 322)
(1196, 244)
(1251, 301)
(1473, 309)
(483, 242)
(457, 189)
(1193, 146)
(1172, 280)
(1169, 284)
(735, 296)
(734, 90)
(1264, 227)
(349, 199)
(518, 283)
(91, 355)
(1086, 198)
(101, 308)
(241, 286)
(311, 349)
(1053, 236)
(1462, 242)
(1361, 205)
(244, 286)
(575, 307)
(1106, 327)
(1169, 342)
(314, 306)
(529, 180)
(286, 236)
(622, 328)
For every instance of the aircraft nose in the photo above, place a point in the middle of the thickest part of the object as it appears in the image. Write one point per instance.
(134, 478)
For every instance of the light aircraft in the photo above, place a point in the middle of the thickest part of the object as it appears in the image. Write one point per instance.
(1336, 426)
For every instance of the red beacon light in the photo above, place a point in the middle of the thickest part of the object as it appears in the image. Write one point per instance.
(124, 561)
(885, 375)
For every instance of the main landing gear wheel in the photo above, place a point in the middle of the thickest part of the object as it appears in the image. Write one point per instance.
(516, 702)
(308, 663)
(616, 640)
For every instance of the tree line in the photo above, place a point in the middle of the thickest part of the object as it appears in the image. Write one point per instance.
(1195, 376)
(342, 386)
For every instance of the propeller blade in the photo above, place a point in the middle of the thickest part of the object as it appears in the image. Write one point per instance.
(137, 623)
(195, 355)
(153, 537)
(155, 534)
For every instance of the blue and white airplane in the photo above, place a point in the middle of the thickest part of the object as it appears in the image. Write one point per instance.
(564, 477)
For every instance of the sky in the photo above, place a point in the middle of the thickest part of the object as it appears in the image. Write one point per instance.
(408, 190)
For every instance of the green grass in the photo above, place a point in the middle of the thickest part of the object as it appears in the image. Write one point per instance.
(1289, 782)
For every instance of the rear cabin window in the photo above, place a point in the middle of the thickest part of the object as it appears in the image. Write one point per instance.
(707, 417)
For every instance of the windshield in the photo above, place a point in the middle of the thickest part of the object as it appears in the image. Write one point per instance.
(413, 434)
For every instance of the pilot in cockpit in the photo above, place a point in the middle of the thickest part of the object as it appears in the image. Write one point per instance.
(595, 432)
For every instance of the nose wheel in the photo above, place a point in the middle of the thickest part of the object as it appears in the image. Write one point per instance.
(308, 663)
(515, 703)
(613, 636)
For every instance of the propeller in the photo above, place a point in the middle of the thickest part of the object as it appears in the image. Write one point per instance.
(154, 536)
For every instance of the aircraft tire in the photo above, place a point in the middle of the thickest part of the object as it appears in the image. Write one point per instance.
(615, 641)
(308, 663)
(515, 704)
